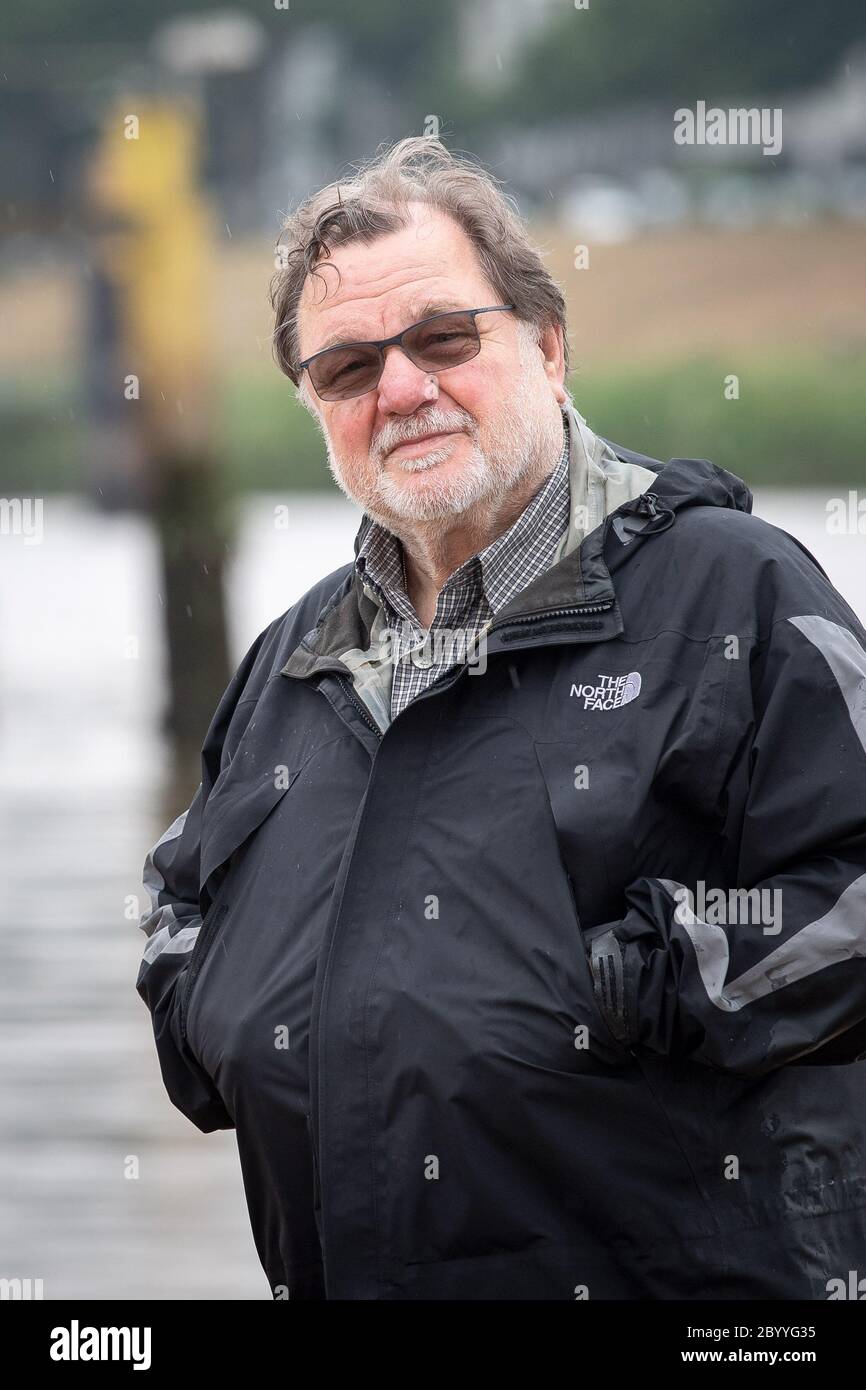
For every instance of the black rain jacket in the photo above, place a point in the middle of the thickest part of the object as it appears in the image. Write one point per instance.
(447, 982)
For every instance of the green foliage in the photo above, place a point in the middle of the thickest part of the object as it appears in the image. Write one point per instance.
(797, 423)
(616, 50)
(678, 50)
(402, 45)
(268, 439)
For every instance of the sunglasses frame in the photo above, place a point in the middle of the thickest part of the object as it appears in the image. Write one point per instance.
(397, 341)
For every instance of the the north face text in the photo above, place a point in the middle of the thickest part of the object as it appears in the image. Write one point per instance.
(611, 691)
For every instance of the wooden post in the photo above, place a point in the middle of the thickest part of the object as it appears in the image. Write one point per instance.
(157, 248)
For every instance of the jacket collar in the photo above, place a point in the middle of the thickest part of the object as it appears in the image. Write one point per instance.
(576, 594)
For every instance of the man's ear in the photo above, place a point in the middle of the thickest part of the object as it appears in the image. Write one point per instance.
(553, 352)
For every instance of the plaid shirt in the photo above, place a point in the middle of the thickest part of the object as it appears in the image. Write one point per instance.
(473, 594)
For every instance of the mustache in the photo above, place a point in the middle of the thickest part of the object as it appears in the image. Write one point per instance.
(416, 426)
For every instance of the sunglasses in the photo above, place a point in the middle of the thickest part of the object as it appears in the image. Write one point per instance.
(434, 344)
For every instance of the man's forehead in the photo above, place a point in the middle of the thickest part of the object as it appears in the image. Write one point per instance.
(415, 310)
(399, 276)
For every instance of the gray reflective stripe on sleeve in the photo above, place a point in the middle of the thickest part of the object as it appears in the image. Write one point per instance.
(163, 943)
(839, 935)
(151, 878)
(846, 659)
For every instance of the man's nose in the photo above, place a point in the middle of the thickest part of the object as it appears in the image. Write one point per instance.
(402, 386)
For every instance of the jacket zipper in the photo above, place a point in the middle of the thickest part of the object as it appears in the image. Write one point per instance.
(371, 724)
(555, 613)
(437, 688)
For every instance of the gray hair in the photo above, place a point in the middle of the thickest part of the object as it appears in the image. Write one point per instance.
(373, 203)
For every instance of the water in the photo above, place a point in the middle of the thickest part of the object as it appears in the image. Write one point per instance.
(85, 775)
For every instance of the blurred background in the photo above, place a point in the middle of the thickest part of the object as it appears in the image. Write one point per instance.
(163, 497)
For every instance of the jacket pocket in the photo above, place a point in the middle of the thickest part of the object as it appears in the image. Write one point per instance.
(210, 926)
(239, 802)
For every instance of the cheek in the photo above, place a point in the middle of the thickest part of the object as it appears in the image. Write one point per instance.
(350, 430)
(477, 389)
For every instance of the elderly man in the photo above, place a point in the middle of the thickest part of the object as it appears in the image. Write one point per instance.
(518, 926)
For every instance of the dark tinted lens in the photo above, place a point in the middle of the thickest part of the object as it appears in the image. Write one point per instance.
(343, 372)
(445, 342)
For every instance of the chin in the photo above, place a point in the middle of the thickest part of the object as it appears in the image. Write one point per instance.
(435, 493)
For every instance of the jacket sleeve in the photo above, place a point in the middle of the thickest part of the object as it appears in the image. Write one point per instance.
(773, 972)
(173, 919)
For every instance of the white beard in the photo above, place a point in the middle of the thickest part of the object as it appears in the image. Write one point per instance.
(525, 437)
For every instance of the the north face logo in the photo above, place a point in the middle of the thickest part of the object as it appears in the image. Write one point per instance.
(611, 691)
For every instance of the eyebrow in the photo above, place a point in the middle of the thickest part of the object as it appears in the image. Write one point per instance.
(416, 313)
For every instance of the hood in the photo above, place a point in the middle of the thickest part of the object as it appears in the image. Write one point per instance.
(687, 482)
